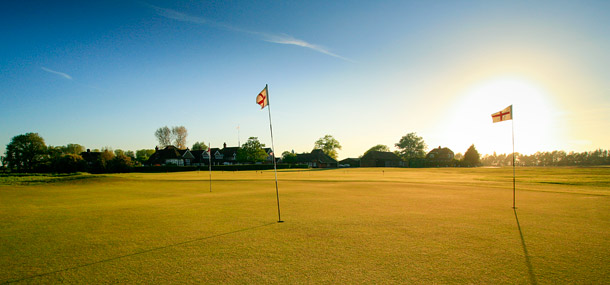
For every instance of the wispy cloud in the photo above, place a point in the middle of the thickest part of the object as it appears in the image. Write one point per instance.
(175, 15)
(272, 38)
(64, 75)
(289, 40)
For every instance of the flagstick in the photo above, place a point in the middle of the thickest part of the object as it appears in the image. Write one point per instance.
(513, 128)
(210, 163)
(277, 193)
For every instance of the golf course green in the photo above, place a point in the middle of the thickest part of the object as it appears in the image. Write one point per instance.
(360, 225)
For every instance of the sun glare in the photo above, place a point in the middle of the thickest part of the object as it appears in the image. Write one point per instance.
(533, 111)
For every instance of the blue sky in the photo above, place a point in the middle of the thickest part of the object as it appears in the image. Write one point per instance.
(109, 74)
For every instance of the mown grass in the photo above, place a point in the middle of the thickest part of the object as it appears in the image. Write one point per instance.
(341, 226)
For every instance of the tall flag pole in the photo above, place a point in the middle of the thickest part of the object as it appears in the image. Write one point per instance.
(262, 99)
(514, 160)
(505, 115)
(210, 163)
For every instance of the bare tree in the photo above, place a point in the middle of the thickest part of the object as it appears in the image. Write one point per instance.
(163, 135)
(179, 135)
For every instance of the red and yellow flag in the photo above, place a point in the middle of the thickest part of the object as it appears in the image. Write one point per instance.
(262, 98)
(504, 115)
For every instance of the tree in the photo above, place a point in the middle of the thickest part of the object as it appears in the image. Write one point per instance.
(329, 145)
(252, 151)
(289, 157)
(378, 147)
(128, 153)
(179, 135)
(55, 151)
(101, 165)
(163, 135)
(131, 154)
(411, 146)
(120, 163)
(199, 146)
(472, 157)
(73, 148)
(458, 156)
(142, 155)
(25, 152)
(68, 163)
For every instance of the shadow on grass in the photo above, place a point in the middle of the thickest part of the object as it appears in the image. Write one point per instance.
(136, 253)
(530, 269)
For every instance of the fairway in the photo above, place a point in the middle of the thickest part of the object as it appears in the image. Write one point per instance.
(384, 225)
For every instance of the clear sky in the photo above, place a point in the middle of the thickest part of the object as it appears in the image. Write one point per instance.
(109, 73)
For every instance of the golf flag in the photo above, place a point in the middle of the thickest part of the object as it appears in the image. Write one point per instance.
(504, 115)
(262, 98)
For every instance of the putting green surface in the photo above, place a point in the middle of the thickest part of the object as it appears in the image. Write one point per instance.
(341, 226)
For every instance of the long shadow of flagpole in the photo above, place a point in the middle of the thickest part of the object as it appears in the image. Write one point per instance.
(135, 253)
(530, 269)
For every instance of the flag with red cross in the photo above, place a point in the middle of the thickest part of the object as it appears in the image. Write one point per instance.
(504, 115)
(262, 98)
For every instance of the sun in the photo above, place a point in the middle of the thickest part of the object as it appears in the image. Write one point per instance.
(533, 116)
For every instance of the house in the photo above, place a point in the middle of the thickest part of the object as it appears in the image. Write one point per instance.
(171, 155)
(350, 162)
(269, 152)
(90, 157)
(202, 157)
(381, 159)
(440, 157)
(316, 159)
(229, 154)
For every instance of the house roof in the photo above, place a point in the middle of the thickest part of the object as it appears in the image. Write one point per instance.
(90, 155)
(186, 153)
(441, 153)
(348, 160)
(229, 151)
(380, 155)
(169, 152)
(315, 155)
(197, 155)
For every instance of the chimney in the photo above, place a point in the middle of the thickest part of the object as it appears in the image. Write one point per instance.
(224, 145)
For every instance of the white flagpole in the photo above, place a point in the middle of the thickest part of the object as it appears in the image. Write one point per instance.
(512, 114)
(210, 163)
(277, 194)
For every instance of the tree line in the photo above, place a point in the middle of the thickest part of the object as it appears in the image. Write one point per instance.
(29, 153)
(411, 148)
(550, 158)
